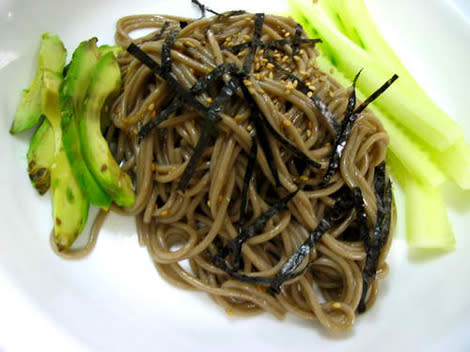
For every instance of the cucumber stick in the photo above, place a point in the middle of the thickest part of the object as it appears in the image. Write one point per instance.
(412, 155)
(427, 223)
(409, 109)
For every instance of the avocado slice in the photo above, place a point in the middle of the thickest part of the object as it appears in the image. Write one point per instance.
(41, 157)
(70, 205)
(115, 49)
(72, 94)
(52, 56)
(105, 82)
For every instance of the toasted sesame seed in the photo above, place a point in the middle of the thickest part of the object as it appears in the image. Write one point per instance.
(209, 100)
(287, 35)
(238, 117)
(208, 203)
(249, 128)
(336, 305)
(310, 94)
(165, 213)
(229, 311)
(151, 107)
(309, 133)
(247, 82)
(271, 75)
(286, 123)
(303, 178)
(301, 51)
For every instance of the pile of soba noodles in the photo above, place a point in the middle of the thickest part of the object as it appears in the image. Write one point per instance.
(248, 184)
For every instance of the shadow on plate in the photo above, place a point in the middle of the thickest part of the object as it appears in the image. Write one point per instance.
(456, 198)
(425, 255)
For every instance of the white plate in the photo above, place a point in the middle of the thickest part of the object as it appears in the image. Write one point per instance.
(115, 301)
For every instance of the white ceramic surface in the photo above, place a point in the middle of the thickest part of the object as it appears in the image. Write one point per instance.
(115, 301)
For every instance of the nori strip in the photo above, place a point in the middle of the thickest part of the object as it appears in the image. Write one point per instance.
(317, 101)
(295, 43)
(258, 126)
(183, 24)
(208, 129)
(162, 31)
(288, 145)
(376, 94)
(201, 85)
(235, 245)
(259, 122)
(264, 142)
(166, 51)
(270, 44)
(185, 96)
(203, 8)
(375, 244)
(250, 168)
(162, 116)
(259, 21)
(361, 215)
(213, 76)
(343, 136)
(289, 269)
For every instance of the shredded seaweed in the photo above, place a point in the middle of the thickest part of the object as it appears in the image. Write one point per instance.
(235, 245)
(361, 215)
(270, 44)
(213, 76)
(250, 168)
(376, 243)
(166, 51)
(160, 33)
(343, 136)
(317, 101)
(296, 41)
(161, 116)
(265, 144)
(185, 95)
(290, 269)
(288, 145)
(376, 94)
(203, 8)
(183, 24)
(259, 21)
(208, 129)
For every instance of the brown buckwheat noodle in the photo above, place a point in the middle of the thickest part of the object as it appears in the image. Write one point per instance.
(177, 226)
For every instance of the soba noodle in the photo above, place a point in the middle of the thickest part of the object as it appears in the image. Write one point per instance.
(191, 226)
